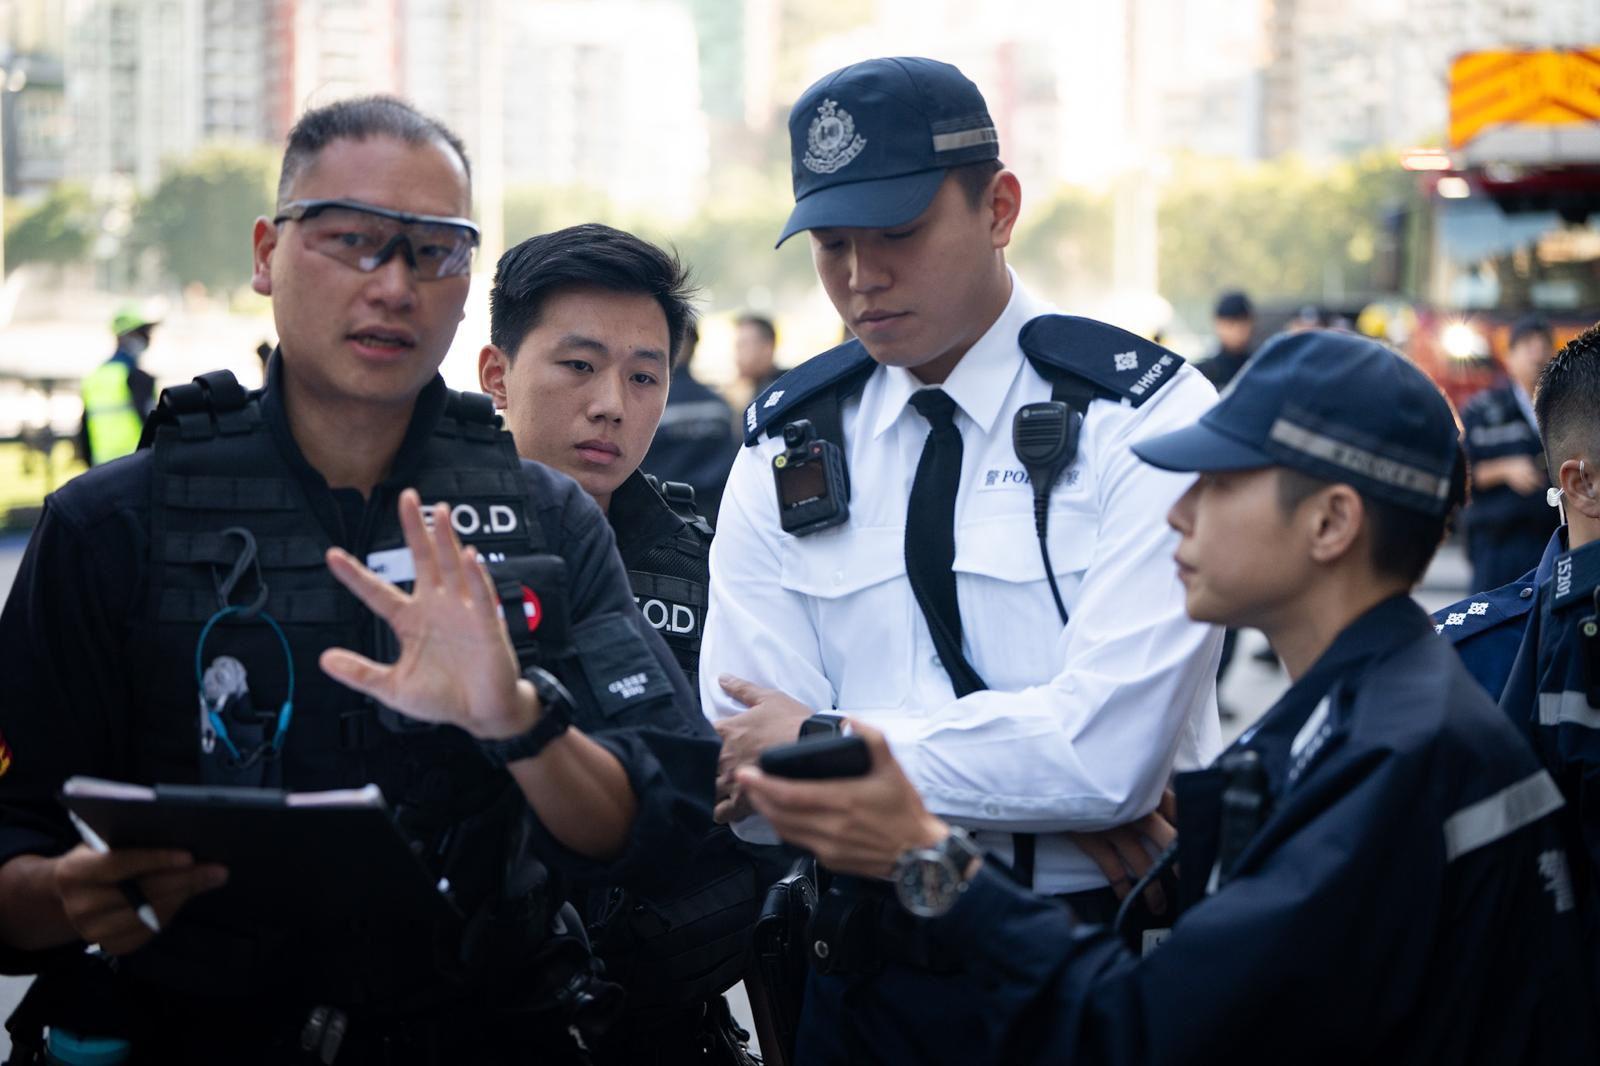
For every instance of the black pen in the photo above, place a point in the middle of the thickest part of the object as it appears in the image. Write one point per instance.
(130, 889)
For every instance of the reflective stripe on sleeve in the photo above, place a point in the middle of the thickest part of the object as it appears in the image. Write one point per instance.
(1500, 815)
(1572, 708)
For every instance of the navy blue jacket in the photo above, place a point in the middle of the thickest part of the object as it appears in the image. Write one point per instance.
(1406, 900)
(1554, 695)
(1487, 627)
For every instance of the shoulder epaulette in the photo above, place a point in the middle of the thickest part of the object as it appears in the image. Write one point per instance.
(210, 404)
(1576, 577)
(472, 407)
(1485, 610)
(846, 366)
(1121, 364)
(469, 415)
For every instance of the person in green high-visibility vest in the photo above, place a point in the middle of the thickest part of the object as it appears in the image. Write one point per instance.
(117, 394)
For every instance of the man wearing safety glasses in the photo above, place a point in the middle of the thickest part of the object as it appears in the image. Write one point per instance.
(356, 580)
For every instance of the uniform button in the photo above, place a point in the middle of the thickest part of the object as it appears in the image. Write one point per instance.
(1526, 593)
(992, 810)
(838, 577)
(938, 663)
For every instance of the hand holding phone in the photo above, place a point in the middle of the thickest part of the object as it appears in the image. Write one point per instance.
(820, 759)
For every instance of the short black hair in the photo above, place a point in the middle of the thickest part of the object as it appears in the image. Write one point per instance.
(1567, 398)
(357, 119)
(1403, 540)
(590, 254)
(760, 323)
(974, 178)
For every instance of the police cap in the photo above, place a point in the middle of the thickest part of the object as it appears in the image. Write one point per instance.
(1331, 404)
(869, 144)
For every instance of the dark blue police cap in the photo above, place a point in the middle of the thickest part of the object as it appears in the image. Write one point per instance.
(1529, 326)
(1233, 305)
(869, 144)
(1334, 405)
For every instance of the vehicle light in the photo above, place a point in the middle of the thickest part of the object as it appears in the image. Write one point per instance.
(1461, 341)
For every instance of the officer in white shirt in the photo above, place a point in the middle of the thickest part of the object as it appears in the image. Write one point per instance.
(902, 579)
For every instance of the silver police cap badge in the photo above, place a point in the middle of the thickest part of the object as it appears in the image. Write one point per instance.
(832, 141)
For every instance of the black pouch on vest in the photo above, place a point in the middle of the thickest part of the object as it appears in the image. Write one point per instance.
(534, 596)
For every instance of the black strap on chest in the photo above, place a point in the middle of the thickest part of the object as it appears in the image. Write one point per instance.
(680, 499)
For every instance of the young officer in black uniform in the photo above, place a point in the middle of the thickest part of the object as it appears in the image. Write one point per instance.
(529, 724)
(1554, 687)
(585, 326)
(1370, 873)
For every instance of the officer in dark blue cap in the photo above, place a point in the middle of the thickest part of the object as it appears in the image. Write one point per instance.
(940, 528)
(1508, 522)
(1372, 873)
(1553, 691)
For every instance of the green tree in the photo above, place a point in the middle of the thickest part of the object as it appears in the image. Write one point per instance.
(220, 190)
(58, 229)
(1282, 230)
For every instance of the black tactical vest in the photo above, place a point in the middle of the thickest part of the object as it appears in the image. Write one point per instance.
(670, 577)
(219, 473)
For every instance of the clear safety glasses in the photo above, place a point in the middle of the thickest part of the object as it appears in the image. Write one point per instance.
(365, 237)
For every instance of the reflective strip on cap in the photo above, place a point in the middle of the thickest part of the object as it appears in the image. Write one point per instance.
(1358, 460)
(1502, 814)
(1569, 708)
(949, 142)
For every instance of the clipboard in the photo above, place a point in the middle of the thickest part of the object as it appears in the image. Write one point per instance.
(323, 856)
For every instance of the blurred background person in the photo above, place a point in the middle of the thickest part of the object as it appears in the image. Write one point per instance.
(1509, 521)
(117, 394)
(1234, 323)
(755, 350)
(694, 442)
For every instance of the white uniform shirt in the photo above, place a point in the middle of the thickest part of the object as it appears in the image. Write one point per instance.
(1081, 726)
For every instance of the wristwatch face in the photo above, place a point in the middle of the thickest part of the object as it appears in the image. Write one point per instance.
(927, 882)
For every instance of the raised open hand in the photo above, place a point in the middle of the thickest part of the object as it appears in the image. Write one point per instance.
(456, 662)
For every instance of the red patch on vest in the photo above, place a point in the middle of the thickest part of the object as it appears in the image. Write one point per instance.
(532, 610)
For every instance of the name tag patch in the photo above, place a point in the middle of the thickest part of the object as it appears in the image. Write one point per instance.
(1001, 478)
(396, 566)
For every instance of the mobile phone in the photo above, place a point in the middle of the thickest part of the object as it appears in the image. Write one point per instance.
(818, 759)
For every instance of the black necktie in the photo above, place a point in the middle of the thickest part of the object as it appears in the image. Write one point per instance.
(931, 535)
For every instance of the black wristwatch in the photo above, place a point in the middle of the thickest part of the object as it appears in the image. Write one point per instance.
(822, 725)
(928, 881)
(555, 715)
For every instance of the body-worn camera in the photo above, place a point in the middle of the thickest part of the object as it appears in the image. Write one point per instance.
(813, 493)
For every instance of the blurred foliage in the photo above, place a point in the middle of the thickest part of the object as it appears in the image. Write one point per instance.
(1282, 230)
(727, 246)
(221, 189)
(58, 229)
(1063, 243)
(25, 479)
